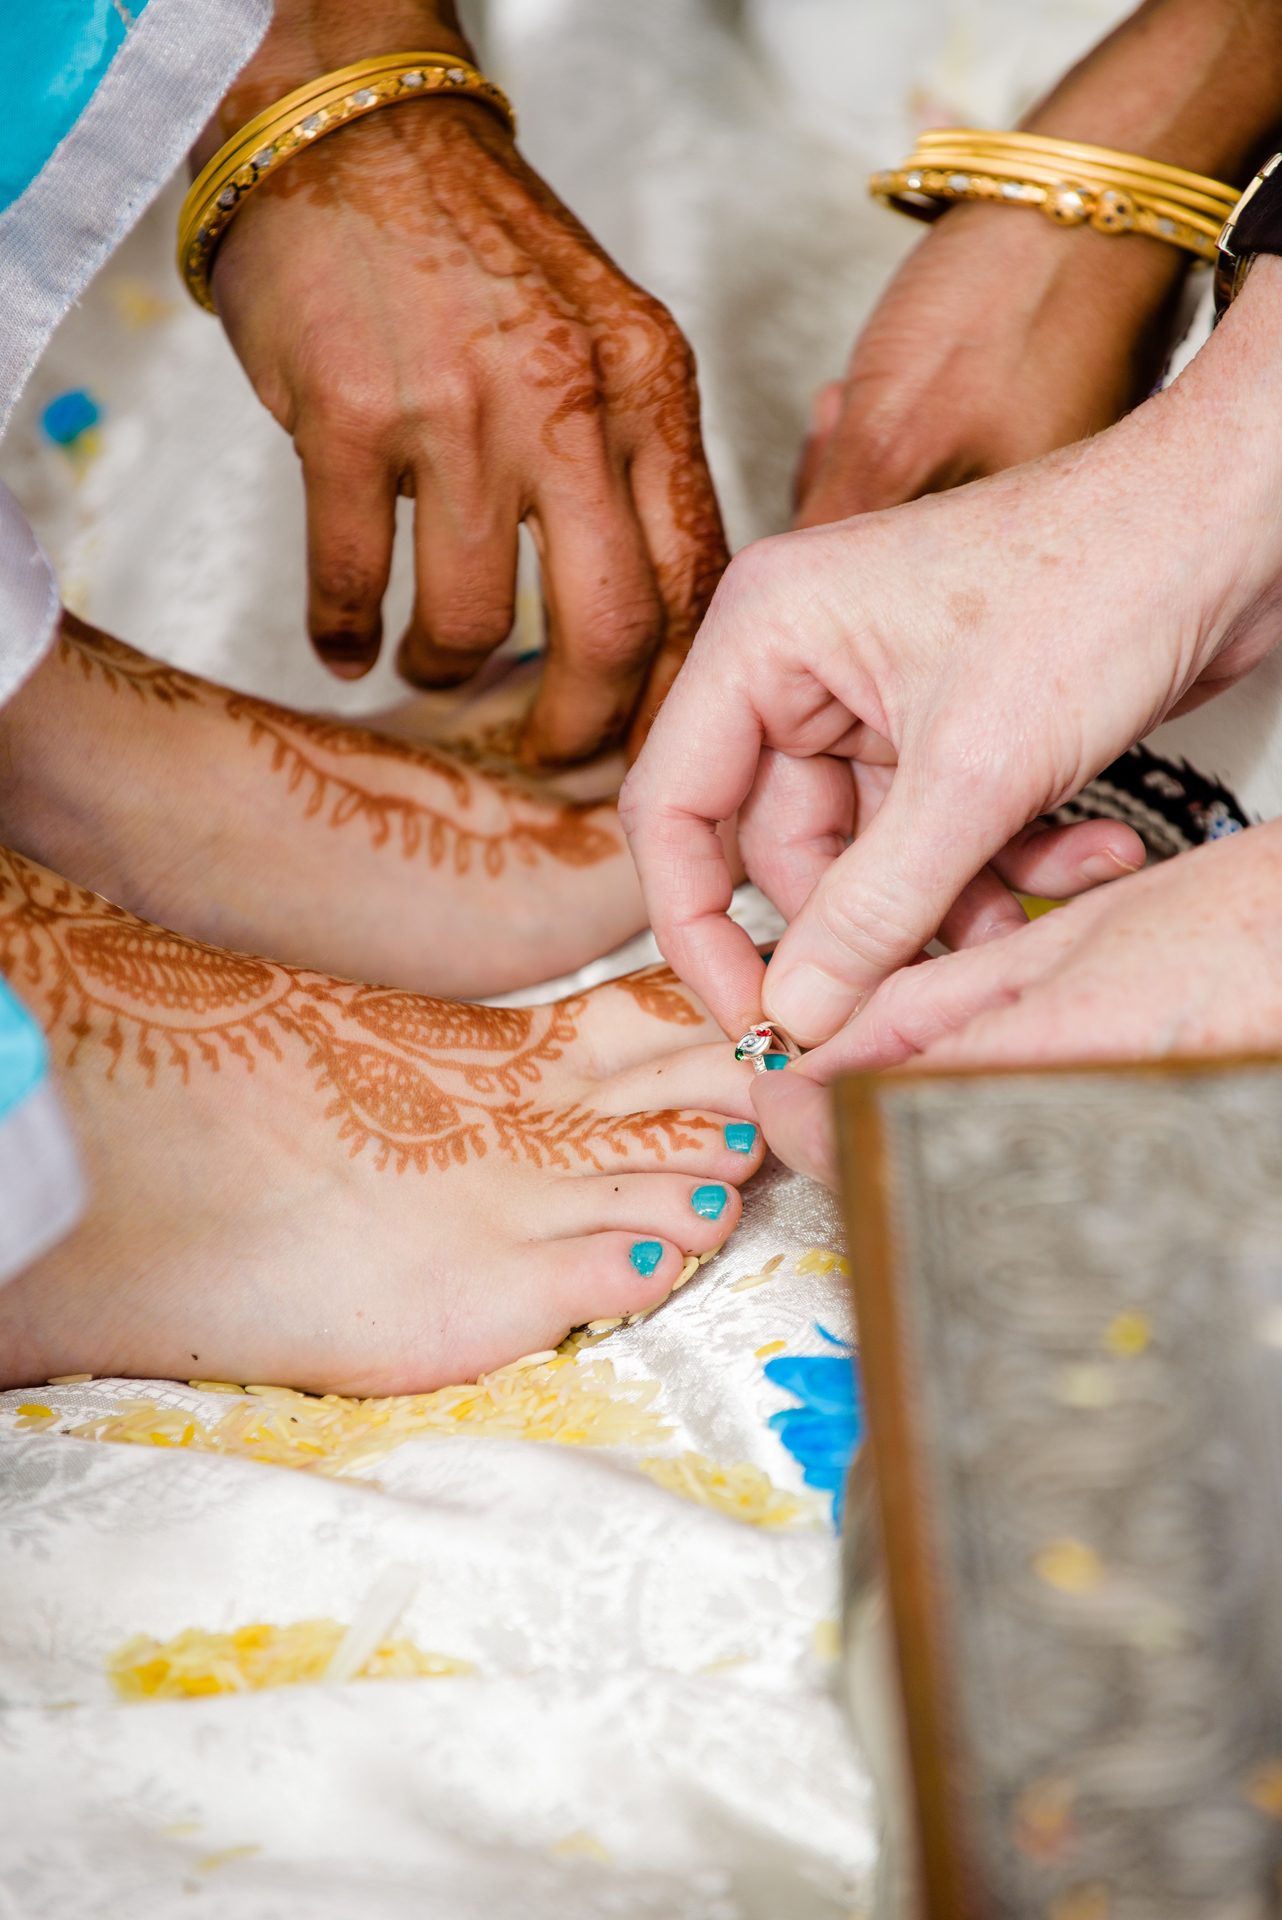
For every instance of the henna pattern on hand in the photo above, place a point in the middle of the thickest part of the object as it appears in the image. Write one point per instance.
(157, 1000)
(655, 991)
(560, 332)
(299, 744)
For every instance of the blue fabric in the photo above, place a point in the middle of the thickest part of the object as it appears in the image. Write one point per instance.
(53, 53)
(23, 1054)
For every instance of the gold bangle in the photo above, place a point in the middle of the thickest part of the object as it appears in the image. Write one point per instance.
(1068, 182)
(296, 121)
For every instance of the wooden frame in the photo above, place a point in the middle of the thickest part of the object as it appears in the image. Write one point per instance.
(1068, 1286)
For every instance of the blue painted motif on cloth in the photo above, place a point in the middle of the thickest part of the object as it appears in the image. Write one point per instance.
(824, 1430)
(70, 415)
(52, 56)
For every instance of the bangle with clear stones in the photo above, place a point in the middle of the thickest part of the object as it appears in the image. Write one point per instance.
(300, 118)
(1068, 182)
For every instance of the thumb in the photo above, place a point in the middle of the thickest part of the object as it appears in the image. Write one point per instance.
(878, 905)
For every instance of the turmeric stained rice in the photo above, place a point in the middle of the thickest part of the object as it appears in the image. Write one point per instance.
(196, 1662)
(556, 1400)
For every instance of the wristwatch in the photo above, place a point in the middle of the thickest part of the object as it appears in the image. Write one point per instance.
(1254, 226)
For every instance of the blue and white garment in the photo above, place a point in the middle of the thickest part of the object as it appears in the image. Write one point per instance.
(99, 102)
(41, 1185)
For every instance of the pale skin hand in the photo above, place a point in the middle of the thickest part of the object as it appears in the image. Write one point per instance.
(1180, 960)
(1003, 337)
(424, 317)
(996, 646)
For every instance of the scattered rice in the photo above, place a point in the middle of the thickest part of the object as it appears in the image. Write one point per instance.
(579, 1846)
(69, 1380)
(826, 1639)
(771, 1346)
(821, 1260)
(196, 1662)
(744, 1491)
(551, 1397)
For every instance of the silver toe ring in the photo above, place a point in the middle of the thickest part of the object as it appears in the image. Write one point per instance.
(767, 1048)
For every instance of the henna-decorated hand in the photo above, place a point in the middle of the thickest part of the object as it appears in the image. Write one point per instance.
(424, 317)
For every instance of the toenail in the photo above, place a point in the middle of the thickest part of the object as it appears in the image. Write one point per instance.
(646, 1254)
(709, 1202)
(741, 1138)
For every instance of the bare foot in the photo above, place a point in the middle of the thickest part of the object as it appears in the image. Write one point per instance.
(320, 843)
(299, 1180)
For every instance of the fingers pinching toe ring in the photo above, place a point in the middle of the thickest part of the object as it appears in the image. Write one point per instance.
(768, 1048)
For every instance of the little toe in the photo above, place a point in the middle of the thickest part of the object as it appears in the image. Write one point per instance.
(608, 1275)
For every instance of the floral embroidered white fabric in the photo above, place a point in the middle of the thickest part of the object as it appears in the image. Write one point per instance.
(653, 1729)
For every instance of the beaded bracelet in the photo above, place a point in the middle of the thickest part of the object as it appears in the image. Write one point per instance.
(1067, 181)
(306, 115)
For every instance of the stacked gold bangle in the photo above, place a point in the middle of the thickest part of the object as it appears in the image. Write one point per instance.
(1071, 184)
(275, 135)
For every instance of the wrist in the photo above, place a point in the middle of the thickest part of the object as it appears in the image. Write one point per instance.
(310, 38)
(1215, 440)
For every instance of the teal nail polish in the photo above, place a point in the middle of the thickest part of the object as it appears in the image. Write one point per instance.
(741, 1138)
(775, 1062)
(646, 1254)
(709, 1202)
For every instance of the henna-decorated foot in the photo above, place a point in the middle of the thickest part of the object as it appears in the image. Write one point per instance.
(299, 1180)
(317, 842)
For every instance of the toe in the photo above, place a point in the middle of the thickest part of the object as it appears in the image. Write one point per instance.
(644, 1016)
(714, 1146)
(706, 1076)
(608, 1275)
(692, 1213)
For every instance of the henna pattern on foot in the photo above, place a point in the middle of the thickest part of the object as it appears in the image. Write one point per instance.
(300, 743)
(655, 990)
(395, 1065)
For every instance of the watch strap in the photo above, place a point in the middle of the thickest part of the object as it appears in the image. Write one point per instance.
(1253, 227)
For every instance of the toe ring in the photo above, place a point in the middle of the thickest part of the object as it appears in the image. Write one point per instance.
(767, 1047)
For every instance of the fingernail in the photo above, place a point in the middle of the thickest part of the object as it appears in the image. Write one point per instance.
(775, 1062)
(709, 1202)
(646, 1255)
(348, 655)
(811, 1005)
(741, 1138)
(1106, 866)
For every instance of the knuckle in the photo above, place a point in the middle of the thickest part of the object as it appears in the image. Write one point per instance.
(470, 629)
(347, 581)
(616, 635)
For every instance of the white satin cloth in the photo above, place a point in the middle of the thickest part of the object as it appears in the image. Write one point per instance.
(654, 1729)
(652, 1733)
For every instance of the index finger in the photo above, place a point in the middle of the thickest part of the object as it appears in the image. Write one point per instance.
(693, 773)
